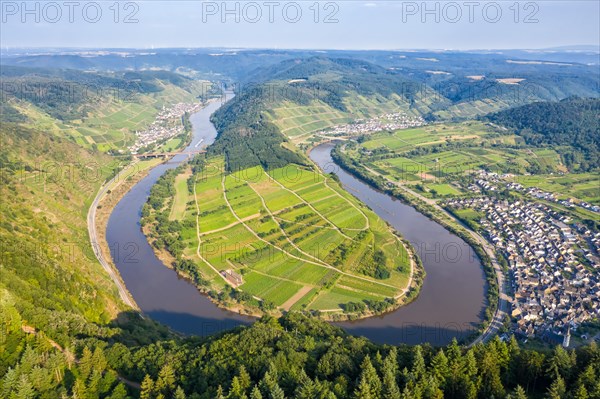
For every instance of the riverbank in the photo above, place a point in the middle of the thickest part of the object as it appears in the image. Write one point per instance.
(496, 297)
(108, 197)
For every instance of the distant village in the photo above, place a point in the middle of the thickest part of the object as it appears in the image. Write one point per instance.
(387, 122)
(554, 264)
(167, 124)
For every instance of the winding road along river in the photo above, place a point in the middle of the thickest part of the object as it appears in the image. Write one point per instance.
(451, 302)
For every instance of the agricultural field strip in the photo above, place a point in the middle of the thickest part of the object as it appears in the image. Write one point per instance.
(412, 269)
(309, 133)
(303, 125)
(337, 114)
(246, 219)
(320, 214)
(300, 224)
(289, 254)
(179, 202)
(200, 240)
(264, 204)
(283, 279)
(368, 223)
(345, 287)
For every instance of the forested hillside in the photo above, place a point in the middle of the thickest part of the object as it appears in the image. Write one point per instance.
(247, 138)
(293, 357)
(53, 292)
(572, 126)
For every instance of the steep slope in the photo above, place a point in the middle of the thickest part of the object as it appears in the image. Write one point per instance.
(47, 184)
(100, 111)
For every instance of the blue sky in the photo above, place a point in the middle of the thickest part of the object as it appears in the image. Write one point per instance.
(288, 24)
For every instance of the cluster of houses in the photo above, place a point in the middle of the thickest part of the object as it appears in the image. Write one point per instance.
(167, 124)
(490, 181)
(553, 264)
(389, 122)
(570, 203)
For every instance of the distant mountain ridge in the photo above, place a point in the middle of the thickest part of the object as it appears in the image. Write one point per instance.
(302, 83)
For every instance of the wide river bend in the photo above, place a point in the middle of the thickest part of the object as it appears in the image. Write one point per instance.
(451, 302)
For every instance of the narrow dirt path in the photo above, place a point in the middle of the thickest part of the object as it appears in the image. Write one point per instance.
(230, 225)
(296, 297)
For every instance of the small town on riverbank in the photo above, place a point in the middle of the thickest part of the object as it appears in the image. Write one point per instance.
(553, 262)
(389, 122)
(167, 124)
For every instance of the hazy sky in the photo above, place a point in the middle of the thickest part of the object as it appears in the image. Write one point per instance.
(301, 24)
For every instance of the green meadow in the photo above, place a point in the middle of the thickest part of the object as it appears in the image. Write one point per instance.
(433, 159)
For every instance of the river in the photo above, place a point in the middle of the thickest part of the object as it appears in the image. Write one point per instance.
(451, 302)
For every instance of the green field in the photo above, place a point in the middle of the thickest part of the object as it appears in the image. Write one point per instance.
(433, 159)
(583, 186)
(181, 198)
(299, 240)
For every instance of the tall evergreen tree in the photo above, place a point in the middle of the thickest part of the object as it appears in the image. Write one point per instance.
(369, 377)
(147, 388)
(518, 393)
(255, 394)
(557, 389)
(439, 367)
